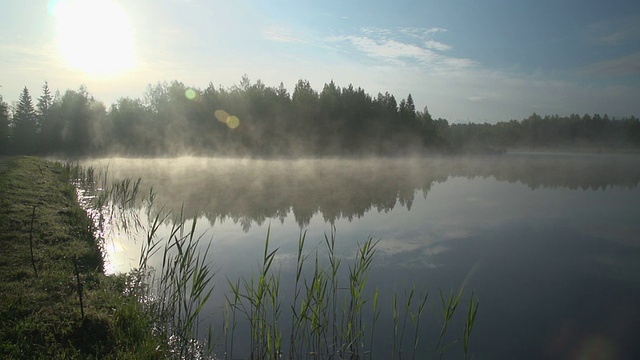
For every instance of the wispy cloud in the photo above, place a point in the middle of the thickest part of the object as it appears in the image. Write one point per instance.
(19, 55)
(281, 33)
(485, 96)
(625, 65)
(436, 45)
(422, 33)
(405, 46)
(615, 32)
(425, 36)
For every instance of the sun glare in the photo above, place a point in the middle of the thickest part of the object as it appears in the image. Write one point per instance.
(94, 36)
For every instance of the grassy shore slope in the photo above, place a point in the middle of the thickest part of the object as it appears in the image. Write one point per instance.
(43, 231)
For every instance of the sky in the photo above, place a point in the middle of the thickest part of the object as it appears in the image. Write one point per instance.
(467, 61)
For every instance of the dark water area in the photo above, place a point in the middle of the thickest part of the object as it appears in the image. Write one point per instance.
(550, 293)
(548, 243)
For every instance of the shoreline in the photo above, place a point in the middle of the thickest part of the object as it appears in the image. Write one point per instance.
(56, 300)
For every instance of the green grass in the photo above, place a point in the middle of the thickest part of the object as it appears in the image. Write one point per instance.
(42, 231)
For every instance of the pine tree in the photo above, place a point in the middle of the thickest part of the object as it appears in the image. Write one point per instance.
(25, 124)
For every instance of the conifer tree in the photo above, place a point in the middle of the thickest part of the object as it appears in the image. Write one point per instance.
(25, 124)
(411, 108)
(44, 104)
(407, 109)
(4, 126)
(44, 117)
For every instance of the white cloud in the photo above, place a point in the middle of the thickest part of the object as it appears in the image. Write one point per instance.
(436, 45)
(422, 33)
(403, 47)
(376, 32)
(385, 48)
(436, 30)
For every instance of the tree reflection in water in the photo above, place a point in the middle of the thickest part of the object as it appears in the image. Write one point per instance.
(251, 191)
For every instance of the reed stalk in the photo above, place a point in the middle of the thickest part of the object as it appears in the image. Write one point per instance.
(326, 320)
(471, 318)
(79, 286)
(33, 258)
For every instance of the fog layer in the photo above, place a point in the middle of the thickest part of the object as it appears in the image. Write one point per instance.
(251, 190)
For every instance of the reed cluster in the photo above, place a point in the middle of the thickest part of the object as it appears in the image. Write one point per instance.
(331, 313)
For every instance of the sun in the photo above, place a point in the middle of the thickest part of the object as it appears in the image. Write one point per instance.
(94, 36)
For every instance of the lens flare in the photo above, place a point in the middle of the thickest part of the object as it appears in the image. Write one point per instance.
(232, 121)
(222, 116)
(190, 94)
(597, 347)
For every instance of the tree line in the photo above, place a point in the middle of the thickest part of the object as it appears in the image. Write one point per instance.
(548, 132)
(252, 119)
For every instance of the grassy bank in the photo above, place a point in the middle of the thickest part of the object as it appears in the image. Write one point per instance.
(55, 301)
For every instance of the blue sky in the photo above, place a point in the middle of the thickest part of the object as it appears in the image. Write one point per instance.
(466, 60)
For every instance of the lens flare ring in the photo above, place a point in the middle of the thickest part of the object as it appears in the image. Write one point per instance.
(232, 121)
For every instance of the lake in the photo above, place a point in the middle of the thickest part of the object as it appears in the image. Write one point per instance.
(548, 242)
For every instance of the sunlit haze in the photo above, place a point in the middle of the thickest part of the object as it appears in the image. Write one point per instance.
(94, 36)
(466, 60)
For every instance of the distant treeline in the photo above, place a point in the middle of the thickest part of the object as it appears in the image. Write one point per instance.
(547, 132)
(252, 119)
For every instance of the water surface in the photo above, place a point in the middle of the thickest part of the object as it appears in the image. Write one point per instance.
(548, 242)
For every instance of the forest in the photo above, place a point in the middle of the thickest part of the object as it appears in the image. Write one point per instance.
(255, 120)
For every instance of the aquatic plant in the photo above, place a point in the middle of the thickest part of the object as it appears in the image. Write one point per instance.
(325, 318)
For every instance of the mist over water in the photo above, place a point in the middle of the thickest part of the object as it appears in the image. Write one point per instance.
(252, 191)
(548, 242)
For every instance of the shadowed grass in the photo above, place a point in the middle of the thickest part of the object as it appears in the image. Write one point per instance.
(40, 316)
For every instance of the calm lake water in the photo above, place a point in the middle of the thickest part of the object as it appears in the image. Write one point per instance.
(549, 243)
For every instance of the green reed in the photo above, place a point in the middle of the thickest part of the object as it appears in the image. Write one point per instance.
(327, 318)
(176, 293)
(180, 288)
(258, 300)
(328, 321)
(468, 326)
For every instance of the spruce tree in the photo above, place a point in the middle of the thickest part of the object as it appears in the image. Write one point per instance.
(44, 104)
(411, 108)
(25, 124)
(44, 117)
